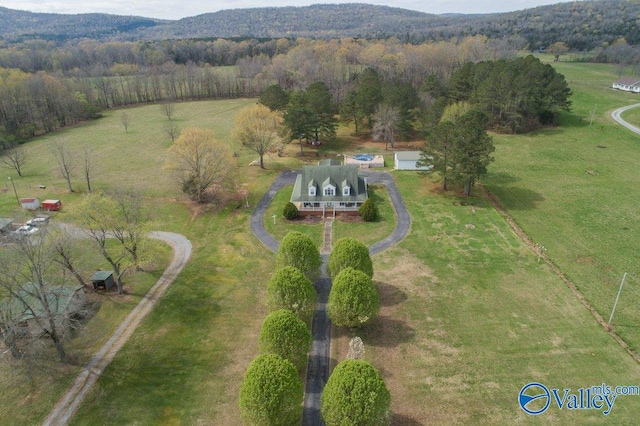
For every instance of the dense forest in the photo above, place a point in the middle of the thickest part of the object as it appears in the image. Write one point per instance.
(583, 25)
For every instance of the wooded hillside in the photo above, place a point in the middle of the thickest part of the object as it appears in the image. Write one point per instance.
(582, 25)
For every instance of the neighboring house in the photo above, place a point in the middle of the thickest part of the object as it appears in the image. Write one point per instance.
(329, 188)
(628, 84)
(407, 160)
(26, 310)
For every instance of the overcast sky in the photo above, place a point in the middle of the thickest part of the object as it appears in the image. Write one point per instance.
(176, 9)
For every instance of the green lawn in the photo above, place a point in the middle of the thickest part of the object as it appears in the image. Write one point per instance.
(370, 232)
(469, 317)
(132, 159)
(574, 190)
(282, 227)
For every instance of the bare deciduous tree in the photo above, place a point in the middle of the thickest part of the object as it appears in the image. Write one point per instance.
(14, 156)
(200, 163)
(120, 216)
(34, 283)
(66, 162)
(87, 152)
(386, 120)
(126, 121)
(172, 130)
(168, 108)
(65, 248)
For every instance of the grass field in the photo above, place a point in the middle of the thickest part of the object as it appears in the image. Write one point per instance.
(574, 190)
(468, 314)
(469, 317)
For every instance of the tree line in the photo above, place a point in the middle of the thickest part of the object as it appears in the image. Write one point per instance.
(33, 102)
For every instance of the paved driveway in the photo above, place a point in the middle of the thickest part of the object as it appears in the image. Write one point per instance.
(617, 115)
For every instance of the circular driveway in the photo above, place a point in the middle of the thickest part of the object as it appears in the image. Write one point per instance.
(403, 222)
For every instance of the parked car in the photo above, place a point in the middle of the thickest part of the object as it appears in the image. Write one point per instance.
(26, 230)
(38, 221)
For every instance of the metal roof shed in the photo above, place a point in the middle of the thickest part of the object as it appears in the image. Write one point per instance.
(102, 279)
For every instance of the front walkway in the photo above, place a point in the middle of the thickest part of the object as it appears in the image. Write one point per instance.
(328, 236)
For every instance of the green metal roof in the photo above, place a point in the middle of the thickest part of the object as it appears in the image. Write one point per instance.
(101, 275)
(347, 175)
(329, 162)
(26, 303)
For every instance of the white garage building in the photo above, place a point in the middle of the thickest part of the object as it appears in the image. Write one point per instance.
(407, 160)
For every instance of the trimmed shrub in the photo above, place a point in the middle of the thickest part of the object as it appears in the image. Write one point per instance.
(368, 211)
(271, 392)
(290, 211)
(284, 334)
(290, 289)
(349, 252)
(353, 300)
(297, 250)
(356, 394)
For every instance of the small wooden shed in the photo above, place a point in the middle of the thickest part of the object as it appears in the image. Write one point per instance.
(102, 280)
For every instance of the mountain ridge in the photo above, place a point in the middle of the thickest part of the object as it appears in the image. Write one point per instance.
(582, 25)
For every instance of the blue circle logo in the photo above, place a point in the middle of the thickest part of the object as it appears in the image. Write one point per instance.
(534, 398)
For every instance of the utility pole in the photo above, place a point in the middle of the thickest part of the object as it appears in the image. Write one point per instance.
(616, 302)
(14, 190)
(593, 113)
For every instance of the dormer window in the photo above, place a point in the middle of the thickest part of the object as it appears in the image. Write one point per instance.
(312, 188)
(329, 191)
(346, 191)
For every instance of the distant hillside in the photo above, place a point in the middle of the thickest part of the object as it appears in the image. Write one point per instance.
(335, 20)
(581, 24)
(18, 25)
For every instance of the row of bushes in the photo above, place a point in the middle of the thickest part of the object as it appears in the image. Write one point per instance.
(272, 391)
(368, 211)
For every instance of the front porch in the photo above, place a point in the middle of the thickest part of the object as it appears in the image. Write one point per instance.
(327, 208)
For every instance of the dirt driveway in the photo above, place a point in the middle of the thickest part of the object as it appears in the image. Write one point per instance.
(67, 405)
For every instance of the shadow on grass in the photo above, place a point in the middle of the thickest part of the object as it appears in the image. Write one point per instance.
(390, 295)
(387, 332)
(517, 198)
(503, 178)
